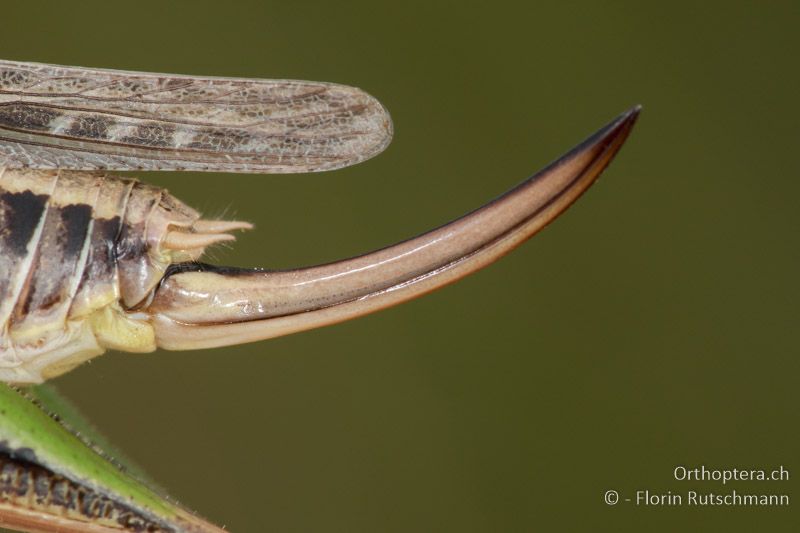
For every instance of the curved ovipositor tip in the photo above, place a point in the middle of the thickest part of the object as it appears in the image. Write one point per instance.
(200, 306)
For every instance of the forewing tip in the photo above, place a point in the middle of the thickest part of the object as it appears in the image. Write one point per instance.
(375, 137)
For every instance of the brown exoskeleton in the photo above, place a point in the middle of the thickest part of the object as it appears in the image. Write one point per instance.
(89, 261)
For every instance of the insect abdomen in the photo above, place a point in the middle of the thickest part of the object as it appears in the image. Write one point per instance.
(61, 242)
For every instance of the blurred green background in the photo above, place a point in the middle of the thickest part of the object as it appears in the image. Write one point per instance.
(655, 325)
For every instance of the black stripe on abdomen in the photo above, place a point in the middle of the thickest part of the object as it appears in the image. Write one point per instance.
(20, 213)
(59, 251)
(101, 264)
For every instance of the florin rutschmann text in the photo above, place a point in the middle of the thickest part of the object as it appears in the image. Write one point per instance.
(697, 497)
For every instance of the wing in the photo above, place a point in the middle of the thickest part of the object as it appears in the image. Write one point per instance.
(92, 119)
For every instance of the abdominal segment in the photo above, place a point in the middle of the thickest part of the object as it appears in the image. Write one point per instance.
(68, 241)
